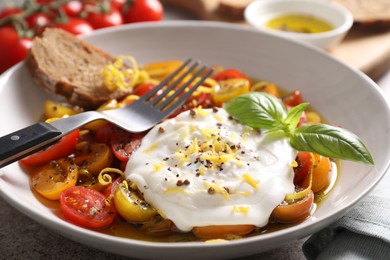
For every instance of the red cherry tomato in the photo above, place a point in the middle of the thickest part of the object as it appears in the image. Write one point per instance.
(293, 99)
(105, 19)
(103, 134)
(61, 149)
(72, 8)
(118, 4)
(124, 143)
(143, 11)
(142, 89)
(12, 48)
(86, 207)
(38, 22)
(75, 26)
(9, 11)
(111, 188)
(204, 100)
(230, 74)
(305, 162)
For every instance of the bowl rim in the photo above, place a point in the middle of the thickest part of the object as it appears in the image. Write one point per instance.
(60, 225)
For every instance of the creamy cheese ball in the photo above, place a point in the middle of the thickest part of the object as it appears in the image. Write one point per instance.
(204, 168)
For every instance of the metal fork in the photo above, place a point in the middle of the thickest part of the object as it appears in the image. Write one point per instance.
(139, 116)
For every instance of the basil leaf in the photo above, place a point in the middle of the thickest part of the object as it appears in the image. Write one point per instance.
(330, 141)
(294, 115)
(257, 110)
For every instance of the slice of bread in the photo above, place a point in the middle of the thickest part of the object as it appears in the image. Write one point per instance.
(65, 65)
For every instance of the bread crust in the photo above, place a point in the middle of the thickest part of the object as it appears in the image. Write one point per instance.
(88, 94)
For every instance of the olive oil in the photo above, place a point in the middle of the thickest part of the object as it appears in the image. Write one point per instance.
(299, 23)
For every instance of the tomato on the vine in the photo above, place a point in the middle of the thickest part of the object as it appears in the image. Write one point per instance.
(72, 8)
(38, 22)
(118, 4)
(143, 10)
(102, 19)
(12, 47)
(9, 11)
(75, 26)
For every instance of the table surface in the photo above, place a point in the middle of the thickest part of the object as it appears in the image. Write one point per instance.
(22, 237)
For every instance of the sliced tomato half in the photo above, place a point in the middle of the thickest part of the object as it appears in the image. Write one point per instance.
(124, 143)
(86, 207)
(61, 149)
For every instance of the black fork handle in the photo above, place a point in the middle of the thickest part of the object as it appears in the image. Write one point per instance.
(26, 141)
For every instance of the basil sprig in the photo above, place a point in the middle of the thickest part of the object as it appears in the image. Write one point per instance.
(264, 111)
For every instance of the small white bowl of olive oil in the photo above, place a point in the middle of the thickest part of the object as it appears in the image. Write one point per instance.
(318, 22)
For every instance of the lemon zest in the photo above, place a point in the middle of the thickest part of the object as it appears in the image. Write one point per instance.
(118, 75)
(251, 181)
(241, 209)
(104, 178)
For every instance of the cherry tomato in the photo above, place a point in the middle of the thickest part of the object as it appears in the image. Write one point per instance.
(103, 134)
(305, 162)
(142, 89)
(13, 48)
(38, 22)
(93, 157)
(223, 231)
(204, 100)
(9, 11)
(293, 99)
(75, 25)
(72, 8)
(118, 4)
(111, 188)
(228, 89)
(105, 19)
(131, 207)
(143, 11)
(61, 149)
(230, 74)
(55, 177)
(295, 212)
(124, 143)
(86, 207)
(321, 174)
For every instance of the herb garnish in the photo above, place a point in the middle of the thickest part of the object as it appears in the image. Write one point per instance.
(261, 110)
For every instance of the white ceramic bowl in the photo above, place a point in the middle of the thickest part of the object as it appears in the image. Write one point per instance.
(344, 96)
(259, 12)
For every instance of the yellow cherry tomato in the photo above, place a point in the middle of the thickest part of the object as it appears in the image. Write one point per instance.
(160, 70)
(58, 110)
(93, 157)
(267, 87)
(55, 177)
(131, 207)
(228, 89)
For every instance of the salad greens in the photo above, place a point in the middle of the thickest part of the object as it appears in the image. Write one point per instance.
(264, 111)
